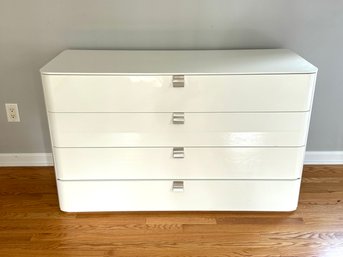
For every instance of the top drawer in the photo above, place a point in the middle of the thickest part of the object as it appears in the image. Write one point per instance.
(212, 93)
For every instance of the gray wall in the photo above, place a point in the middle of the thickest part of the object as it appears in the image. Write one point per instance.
(33, 32)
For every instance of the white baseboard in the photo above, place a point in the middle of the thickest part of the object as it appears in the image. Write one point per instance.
(45, 159)
(323, 157)
(26, 159)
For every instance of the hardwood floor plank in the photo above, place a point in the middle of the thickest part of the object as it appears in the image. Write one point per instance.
(180, 220)
(244, 228)
(51, 213)
(268, 220)
(86, 226)
(253, 251)
(291, 235)
(51, 253)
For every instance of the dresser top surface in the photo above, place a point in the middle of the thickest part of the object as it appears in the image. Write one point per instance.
(169, 62)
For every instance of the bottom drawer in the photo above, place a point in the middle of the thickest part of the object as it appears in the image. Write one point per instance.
(197, 195)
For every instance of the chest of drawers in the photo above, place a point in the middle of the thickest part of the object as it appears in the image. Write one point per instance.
(178, 130)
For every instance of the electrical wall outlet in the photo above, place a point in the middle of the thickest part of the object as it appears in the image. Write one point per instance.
(12, 113)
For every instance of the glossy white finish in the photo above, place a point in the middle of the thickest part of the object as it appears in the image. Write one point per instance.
(198, 195)
(109, 62)
(157, 130)
(215, 93)
(198, 163)
(246, 117)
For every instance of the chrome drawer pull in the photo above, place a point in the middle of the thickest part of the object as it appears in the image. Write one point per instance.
(178, 117)
(178, 81)
(178, 152)
(178, 186)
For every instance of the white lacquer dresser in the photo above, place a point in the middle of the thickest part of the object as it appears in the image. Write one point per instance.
(178, 130)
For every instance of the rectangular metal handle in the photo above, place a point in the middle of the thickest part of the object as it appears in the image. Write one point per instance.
(178, 117)
(178, 186)
(178, 81)
(178, 152)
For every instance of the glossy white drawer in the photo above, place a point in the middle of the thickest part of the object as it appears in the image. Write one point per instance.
(157, 129)
(213, 93)
(198, 195)
(187, 163)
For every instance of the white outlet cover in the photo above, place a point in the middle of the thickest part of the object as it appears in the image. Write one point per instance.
(12, 112)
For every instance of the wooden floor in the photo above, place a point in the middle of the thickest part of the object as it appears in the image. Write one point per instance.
(32, 225)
